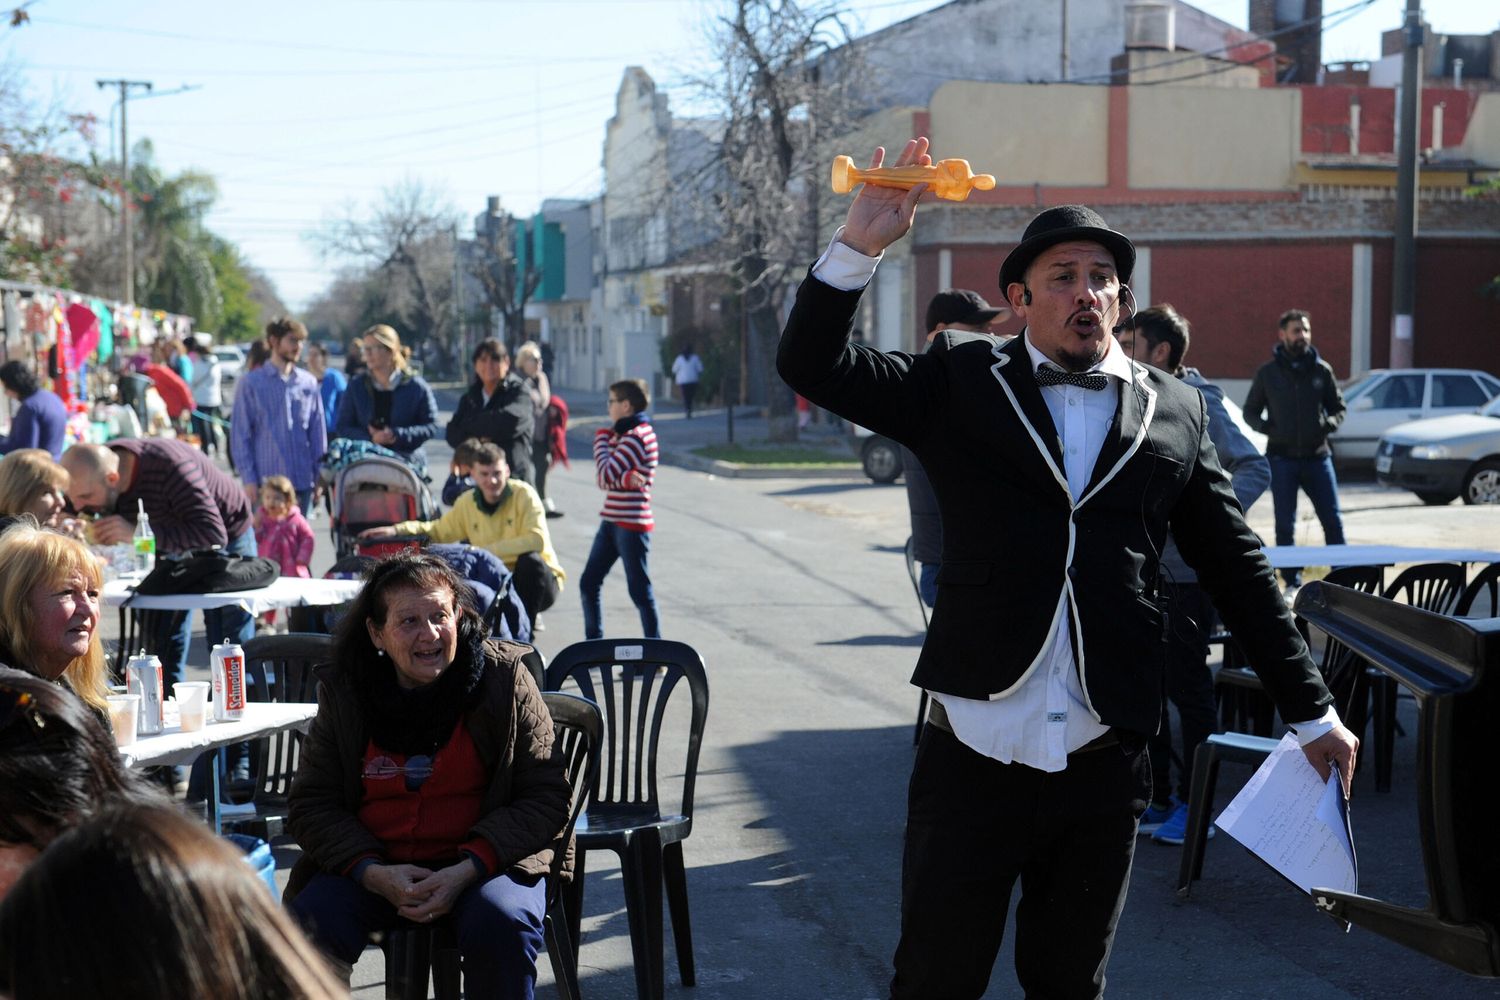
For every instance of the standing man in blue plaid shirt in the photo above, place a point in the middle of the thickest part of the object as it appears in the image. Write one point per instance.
(278, 427)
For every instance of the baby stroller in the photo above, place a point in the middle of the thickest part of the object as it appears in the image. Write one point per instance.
(487, 576)
(376, 492)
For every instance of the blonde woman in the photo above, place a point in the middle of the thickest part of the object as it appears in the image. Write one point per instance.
(32, 483)
(387, 404)
(49, 610)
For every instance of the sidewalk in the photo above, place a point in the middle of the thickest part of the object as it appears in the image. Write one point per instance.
(677, 438)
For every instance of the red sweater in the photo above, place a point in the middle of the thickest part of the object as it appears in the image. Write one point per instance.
(423, 810)
(620, 457)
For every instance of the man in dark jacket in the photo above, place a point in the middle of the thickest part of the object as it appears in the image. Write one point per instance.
(497, 408)
(1295, 401)
(950, 309)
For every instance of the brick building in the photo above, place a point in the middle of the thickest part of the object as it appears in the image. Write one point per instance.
(1242, 202)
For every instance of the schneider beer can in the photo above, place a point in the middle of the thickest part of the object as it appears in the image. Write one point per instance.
(143, 677)
(227, 665)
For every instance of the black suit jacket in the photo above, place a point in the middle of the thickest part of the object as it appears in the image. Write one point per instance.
(1013, 538)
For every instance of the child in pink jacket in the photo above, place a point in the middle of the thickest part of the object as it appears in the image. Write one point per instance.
(282, 534)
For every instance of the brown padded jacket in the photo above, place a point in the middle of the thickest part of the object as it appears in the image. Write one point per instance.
(525, 806)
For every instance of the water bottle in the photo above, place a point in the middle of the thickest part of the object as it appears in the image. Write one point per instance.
(145, 541)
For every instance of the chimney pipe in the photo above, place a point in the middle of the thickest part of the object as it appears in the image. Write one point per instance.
(1354, 125)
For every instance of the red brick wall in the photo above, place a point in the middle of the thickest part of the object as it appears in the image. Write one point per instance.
(1325, 116)
(1234, 291)
(1456, 325)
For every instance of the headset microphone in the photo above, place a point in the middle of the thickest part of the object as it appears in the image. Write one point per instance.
(1128, 298)
(1025, 295)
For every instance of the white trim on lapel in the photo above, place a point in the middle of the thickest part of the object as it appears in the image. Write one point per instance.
(1004, 359)
(1140, 435)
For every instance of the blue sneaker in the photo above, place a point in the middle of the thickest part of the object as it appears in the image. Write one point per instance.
(1174, 831)
(1156, 814)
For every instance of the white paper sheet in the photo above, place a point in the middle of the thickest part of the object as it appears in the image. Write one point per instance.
(1295, 822)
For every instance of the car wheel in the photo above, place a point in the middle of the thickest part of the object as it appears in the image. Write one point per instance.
(882, 460)
(1437, 499)
(1482, 484)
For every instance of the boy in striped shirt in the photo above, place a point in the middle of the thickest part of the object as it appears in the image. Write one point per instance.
(625, 465)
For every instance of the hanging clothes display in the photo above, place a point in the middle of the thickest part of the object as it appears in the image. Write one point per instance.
(13, 343)
(83, 326)
(106, 318)
(64, 383)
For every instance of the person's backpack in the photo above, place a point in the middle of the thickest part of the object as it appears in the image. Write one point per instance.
(208, 571)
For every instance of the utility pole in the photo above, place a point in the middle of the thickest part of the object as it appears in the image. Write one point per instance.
(458, 338)
(1404, 267)
(125, 88)
(1063, 70)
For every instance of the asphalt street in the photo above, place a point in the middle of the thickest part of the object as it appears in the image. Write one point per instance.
(795, 592)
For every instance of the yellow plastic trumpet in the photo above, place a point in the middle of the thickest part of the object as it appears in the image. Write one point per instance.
(949, 179)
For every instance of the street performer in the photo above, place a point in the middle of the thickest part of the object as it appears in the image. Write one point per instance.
(1058, 464)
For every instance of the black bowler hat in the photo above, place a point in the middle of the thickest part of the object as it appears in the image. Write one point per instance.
(1061, 225)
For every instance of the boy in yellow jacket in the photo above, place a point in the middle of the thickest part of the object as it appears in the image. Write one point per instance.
(506, 517)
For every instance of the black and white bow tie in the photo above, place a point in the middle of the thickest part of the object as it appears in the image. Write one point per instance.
(1048, 375)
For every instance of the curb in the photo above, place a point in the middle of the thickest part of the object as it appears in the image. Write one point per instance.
(683, 458)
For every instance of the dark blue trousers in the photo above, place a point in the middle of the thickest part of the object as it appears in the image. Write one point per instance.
(632, 549)
(498, 924)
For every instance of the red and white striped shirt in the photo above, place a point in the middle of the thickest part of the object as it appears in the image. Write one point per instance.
(625, 466)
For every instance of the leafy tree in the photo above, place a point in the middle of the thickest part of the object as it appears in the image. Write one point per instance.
(47, 175)
(173, 252)
(239, 317)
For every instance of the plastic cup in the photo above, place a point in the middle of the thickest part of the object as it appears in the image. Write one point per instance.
(192, 704)
(124, 713)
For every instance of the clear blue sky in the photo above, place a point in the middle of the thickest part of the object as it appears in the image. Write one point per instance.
(302, 108)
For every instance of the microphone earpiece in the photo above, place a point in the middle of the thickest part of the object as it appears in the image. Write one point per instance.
(1127, 297)
(1025, 295)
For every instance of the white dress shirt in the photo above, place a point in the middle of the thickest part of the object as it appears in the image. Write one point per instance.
(1046, 714)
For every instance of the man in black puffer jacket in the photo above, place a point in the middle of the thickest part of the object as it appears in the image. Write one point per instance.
(1295, 401)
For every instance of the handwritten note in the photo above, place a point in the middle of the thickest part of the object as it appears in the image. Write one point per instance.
(1295, 822)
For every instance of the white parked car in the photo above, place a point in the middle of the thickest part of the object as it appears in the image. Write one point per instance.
(1383, 398)
(231, 362)
(1445, 457)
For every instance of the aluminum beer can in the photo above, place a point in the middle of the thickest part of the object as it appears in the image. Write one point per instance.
(143, 677)
(226, 664)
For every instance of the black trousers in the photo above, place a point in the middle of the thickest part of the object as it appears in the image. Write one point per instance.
(975, 826)
(535, 584)
(1190, 686)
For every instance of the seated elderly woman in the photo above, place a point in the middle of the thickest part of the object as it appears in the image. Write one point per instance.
(182, 913)
(32, 483)
(58, 765)
(49, 610)
(427, 784)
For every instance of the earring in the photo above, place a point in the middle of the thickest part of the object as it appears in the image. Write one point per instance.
(379, 652)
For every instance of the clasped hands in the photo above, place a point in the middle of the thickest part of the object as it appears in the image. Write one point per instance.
(420, 894)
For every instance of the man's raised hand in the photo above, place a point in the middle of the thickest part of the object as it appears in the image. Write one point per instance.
(880, 216)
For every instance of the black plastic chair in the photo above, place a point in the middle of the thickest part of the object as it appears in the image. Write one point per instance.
(1481, 598)
(278, 668)
(1244, 706)
(632, 681)
(411, 951)
(1251, 748)
(916, 586)
(536, 662)
(1434, 587)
